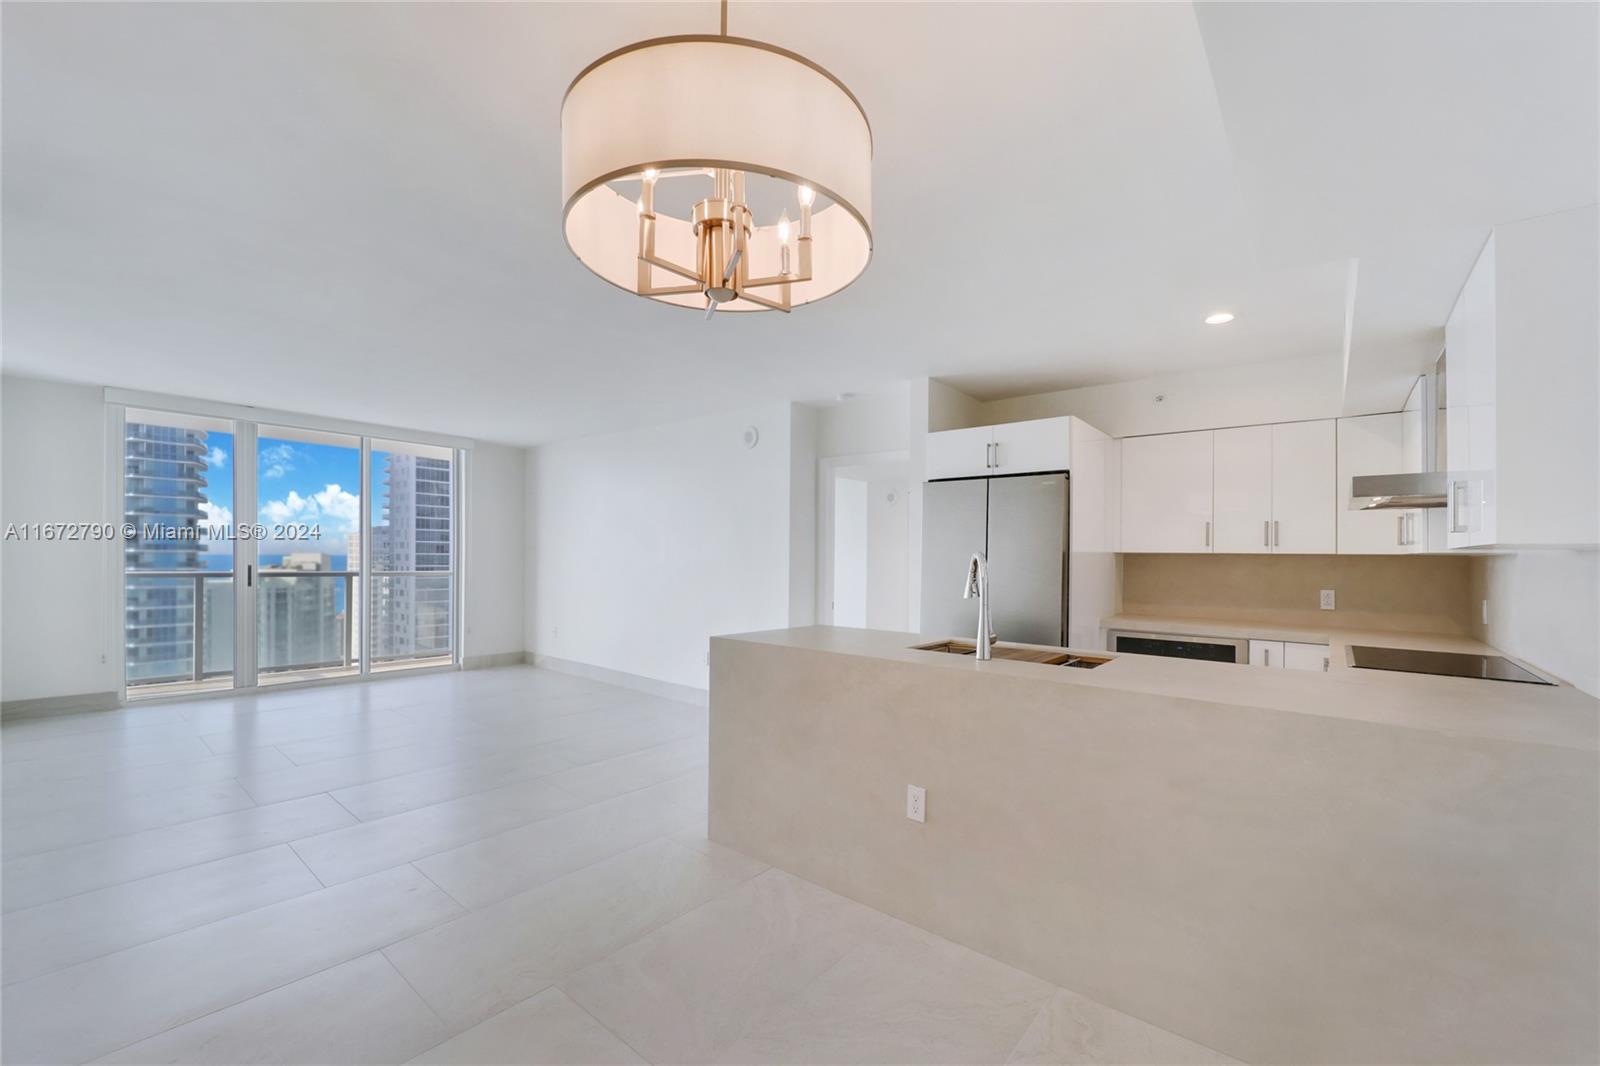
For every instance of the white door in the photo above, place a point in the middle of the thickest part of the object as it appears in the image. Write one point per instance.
(1374, 444)
(1266, 653)
(1304, 469)
(1036, 446)
(1304, 656)
(850, 548)
(1166, 493)
(960, 453)
(1243, 489)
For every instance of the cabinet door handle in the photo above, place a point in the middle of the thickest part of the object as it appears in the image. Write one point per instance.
(1458, 507)
(1324, 664)
(1400, 529)
(997, 455)
(1411, 528)
(1277, 541)
(988, 456)
(1266, 656)
(1208, 534)
(1266, 533)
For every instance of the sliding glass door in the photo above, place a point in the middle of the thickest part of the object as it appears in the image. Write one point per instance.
(342, 560)
(308, 499)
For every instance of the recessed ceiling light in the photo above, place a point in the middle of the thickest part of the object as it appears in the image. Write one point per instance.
(1220, 318)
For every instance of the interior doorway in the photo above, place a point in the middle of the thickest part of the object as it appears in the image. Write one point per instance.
(864, 541)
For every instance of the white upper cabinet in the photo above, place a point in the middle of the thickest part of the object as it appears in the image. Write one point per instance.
(1377, 444)
(1242, 488)
(1032, 447)
(1469, 338)
(1522, 437)
(1303, 497)
(961, 453)
(1041, 444)
(1166, 493)
(1274, 488)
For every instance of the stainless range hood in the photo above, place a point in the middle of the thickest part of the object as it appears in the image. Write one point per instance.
(1378, 492)
(1426, 488)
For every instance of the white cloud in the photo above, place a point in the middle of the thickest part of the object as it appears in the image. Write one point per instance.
(217, 457)
(219, 520)
(288, 509)
(276, 460)
(339, 505)
(336, 510)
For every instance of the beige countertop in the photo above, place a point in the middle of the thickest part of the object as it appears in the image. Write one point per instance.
(1537, 714)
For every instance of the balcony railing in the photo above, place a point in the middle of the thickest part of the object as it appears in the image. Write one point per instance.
(302, 628)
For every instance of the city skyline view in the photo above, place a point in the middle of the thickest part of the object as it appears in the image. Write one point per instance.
(180, 478)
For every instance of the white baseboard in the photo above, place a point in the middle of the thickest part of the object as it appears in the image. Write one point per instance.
(46, 706)
(665, 689)
(489, 662)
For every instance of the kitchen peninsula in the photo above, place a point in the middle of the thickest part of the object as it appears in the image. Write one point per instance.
(1340, 866)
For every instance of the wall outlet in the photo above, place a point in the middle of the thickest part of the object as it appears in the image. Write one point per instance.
(916, 803)
(1326, 600)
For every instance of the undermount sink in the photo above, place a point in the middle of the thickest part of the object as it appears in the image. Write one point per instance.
(1026, 655)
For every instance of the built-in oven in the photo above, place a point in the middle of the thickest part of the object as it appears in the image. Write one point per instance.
(1175, 646)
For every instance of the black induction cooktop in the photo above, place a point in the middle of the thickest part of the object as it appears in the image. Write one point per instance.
(1451, 663)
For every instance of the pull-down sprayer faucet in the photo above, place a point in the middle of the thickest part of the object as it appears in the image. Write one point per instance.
(978, 585)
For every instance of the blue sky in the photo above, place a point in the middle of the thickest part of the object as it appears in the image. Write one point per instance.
(296, 483)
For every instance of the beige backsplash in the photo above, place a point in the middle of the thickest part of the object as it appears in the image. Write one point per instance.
(1413, 593)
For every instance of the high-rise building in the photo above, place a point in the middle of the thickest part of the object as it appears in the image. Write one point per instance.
(352, 551)
(412, 612)
(163, 487)
(297, 621)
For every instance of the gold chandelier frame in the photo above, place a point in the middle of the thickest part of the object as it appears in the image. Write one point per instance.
(722, 225)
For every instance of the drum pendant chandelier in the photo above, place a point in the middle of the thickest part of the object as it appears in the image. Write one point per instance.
(659, 141)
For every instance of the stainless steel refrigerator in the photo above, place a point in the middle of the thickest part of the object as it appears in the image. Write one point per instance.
(1022, 523)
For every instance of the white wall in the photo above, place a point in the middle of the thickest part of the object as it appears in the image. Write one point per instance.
(850, 548)
(1286, 391)
(950, 408)
(643, 544)
(55, 597)
(496, 550)
(1544, 606)
(803, 432)
(888, 555)
(864, 425)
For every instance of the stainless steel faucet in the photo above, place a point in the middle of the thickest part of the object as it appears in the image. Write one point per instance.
(978, 585)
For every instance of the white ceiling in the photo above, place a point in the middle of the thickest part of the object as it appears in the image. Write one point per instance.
(354, 209)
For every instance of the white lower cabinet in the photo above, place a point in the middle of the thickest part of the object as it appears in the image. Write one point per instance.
(1266, 653)
(1289, 655)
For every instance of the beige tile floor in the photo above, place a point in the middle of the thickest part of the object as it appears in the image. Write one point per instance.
(498, 866)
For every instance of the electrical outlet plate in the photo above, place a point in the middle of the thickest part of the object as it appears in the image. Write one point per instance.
(1326, 601)
(916, 803)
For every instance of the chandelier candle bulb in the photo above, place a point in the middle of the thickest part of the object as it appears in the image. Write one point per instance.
(612, 132)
